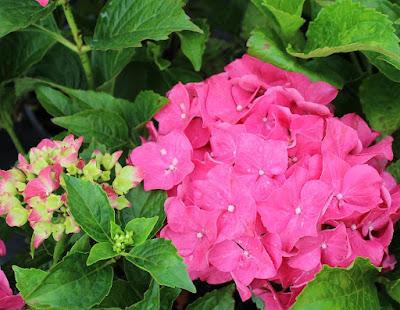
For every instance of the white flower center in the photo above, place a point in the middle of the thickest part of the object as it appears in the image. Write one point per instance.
(323, 245)
(339, 196)
(354, 227)
(163, 151)
(239, 108)
(199, 235)
(298, 210)
(183, 115)
(231, 208)
(264, 119)
(261, 172)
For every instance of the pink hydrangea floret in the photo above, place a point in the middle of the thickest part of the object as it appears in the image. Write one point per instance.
(265, 185)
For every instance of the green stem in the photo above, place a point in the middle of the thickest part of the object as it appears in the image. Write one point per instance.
(59, 38)
(15, 140)
(82, 49)
(355, 61)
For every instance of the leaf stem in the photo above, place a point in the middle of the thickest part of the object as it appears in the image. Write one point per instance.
(7, 124)
(59, 38)
(82, 49)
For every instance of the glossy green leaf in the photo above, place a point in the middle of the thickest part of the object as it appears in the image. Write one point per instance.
(193, 44)
(266, 45)
(120, 296)
(392, 288)
(90, 207)
(21, 50)
(55, 102)
(82, 245)
(145, 204)
(100, 251)
(349, 288)
(160, 258)
(346, 26)
(221, 299)
(28, 279)
(151, 300)
(258, 302)
(61, 247)
(126, 23)
(16, 14)
(168, 296)
(141, 228)
(107, 127)
(138, 279)
(155, 51)
(380, 99)
(69, 285)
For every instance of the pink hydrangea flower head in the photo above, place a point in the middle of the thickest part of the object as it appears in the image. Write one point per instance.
(8, 301)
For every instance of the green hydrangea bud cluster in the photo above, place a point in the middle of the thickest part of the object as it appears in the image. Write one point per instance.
(122, 240)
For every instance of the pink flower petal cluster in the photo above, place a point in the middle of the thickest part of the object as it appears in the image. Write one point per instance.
(265, 184)
(43, 2)
(34, 191)
(8, 301)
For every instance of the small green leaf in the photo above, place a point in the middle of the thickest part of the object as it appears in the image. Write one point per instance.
(258, 302)
(394, 170)
(90, 207)
(159, 257)
(350, 288)
(61, 247)
(127, 23)
(380, 99)
(115, 230)
(86, 154)
(193, 44)
(28, 279)
(221, 299)
(151, 300)
(68, 285)
(393, 288)
(16, 14)
(145, 204)
(156, 50)
(100, 251)
(82, 245)
(55, 102)
(107, 127)
(141, 228)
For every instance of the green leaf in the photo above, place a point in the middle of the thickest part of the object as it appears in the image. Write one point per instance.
(120, 296)
(127, 23)
(90, 207)
(351, 288)
(68, 285)
(221, 299)
(156, 50)
(61, 247)
(61, 66)
(394, 170)
(380, 99)
(16, 14)
(28, 279)
(159, 257)
(168, 296)
(107, 127)
(55, 102)
(145, 204)
(266, 45)
(193, 44)
(288, 15)
(115, 230)
(347, 26)
(252, 19)
(141, 228)
(151, 299)
(82, 245)
(86, 154)
(138, 279)
(21, 50)
(107, 65)
(100, 251)
(393, 288)
(258, 302)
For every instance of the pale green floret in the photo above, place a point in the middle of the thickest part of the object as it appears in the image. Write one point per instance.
(73, 170)
(122, 240)
(91, 171)
(105, 176)
(20, 186)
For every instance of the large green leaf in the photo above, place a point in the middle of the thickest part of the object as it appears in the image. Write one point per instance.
(346, 26)
(90, 207)
(151, 300)
(20, 50)
(351, 288)
(55, 102)
(126, 23)
(380, 99)
(394, 170)
(28, 279)
(168, 296)
(138, 279)
(107, 65)
(145, 204)
(16, 14)
(160, 258)
(68, 285)
(266, 45)
(193, 44)
(100, 251)
(108, 127)
(221, 299)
